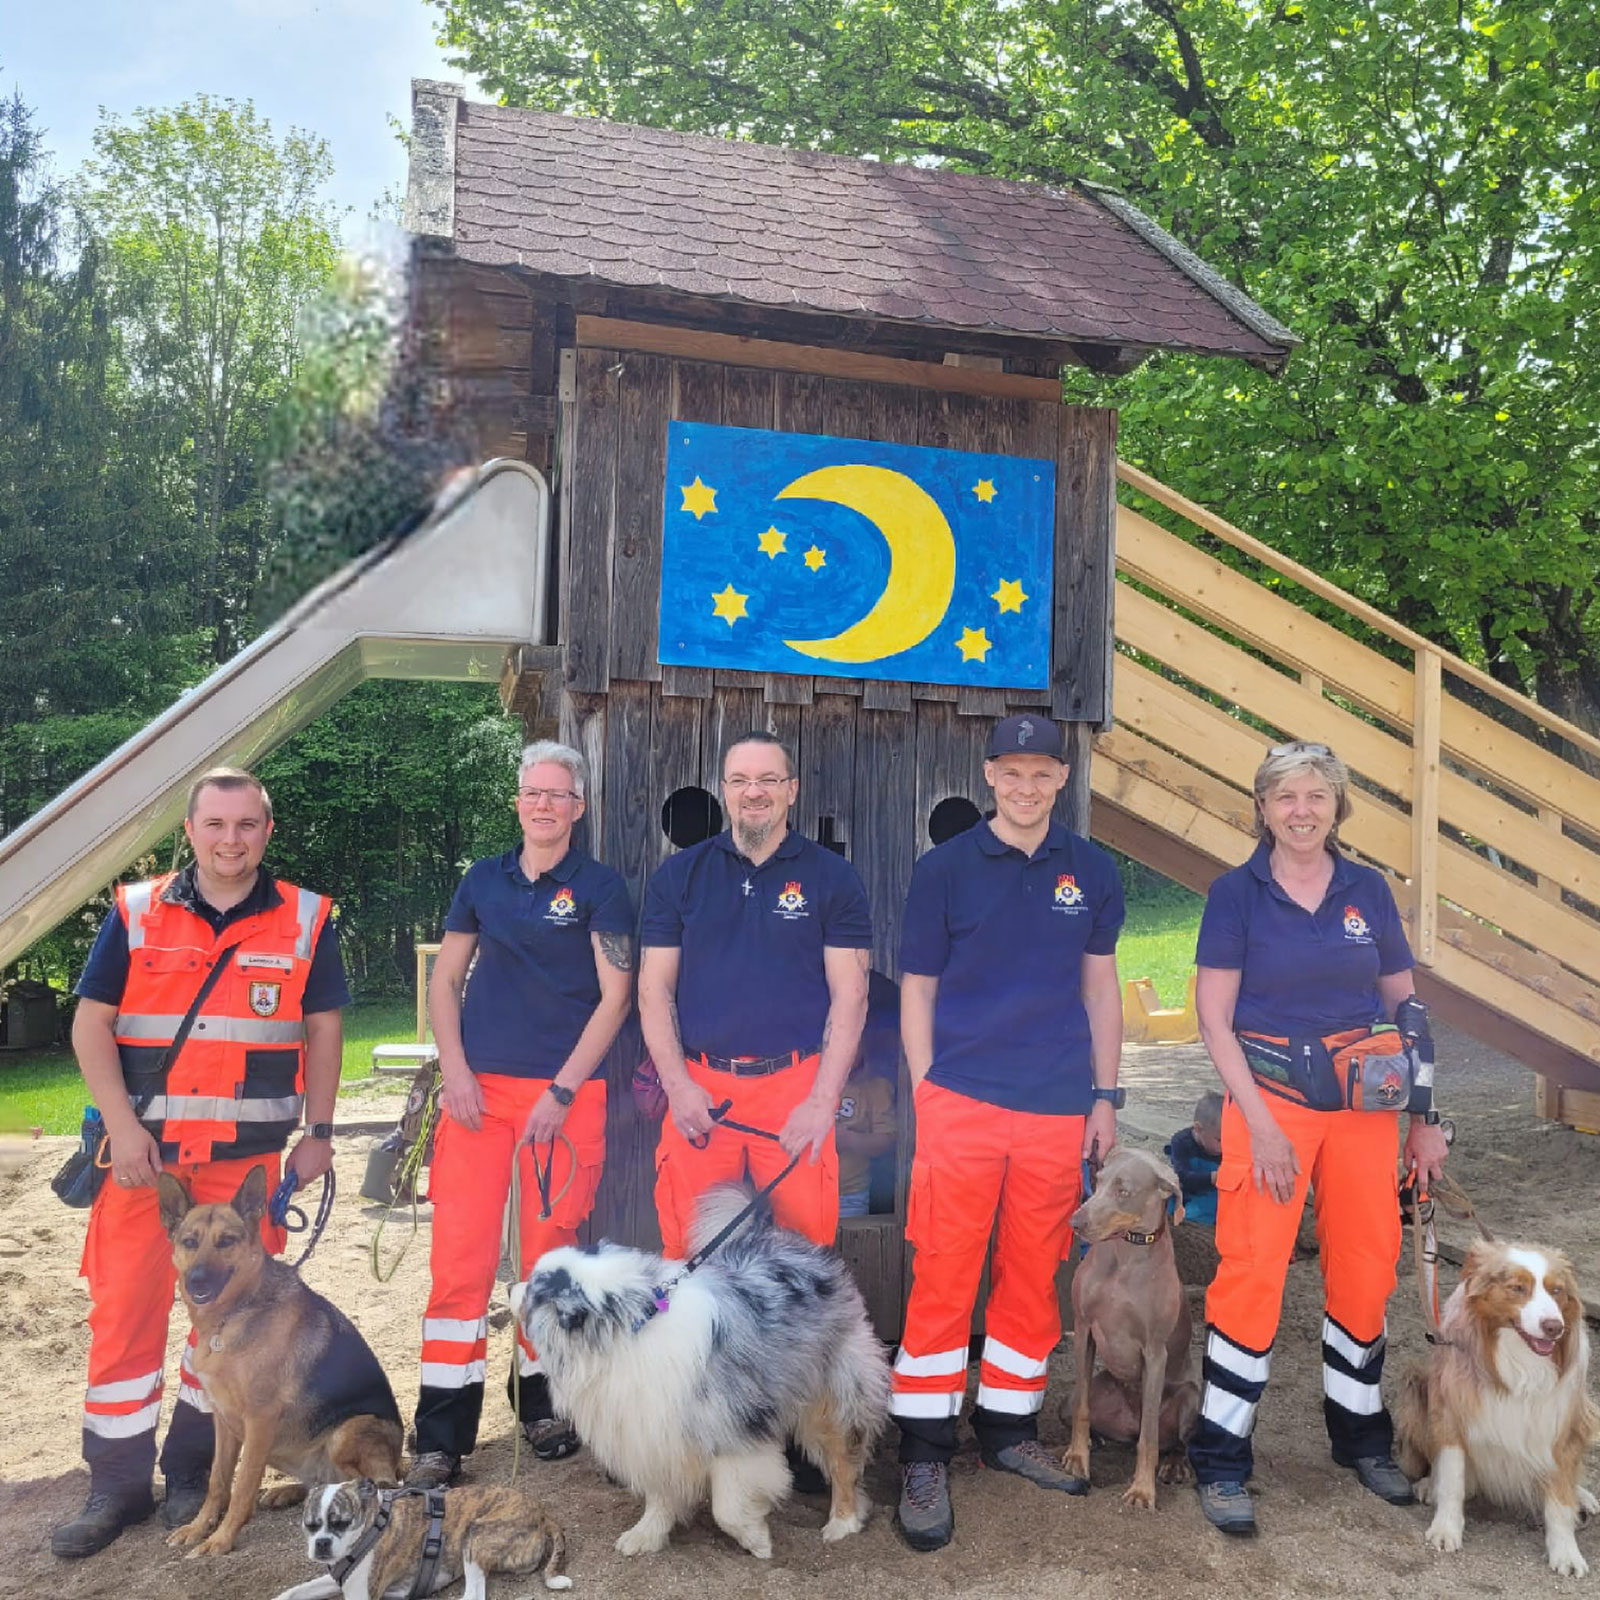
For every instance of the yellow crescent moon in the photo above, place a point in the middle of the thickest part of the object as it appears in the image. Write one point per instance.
(922, 560)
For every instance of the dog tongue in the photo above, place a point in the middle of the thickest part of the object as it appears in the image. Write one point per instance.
(1541, 1347)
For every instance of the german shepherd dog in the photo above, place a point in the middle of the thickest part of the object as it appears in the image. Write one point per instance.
(291, 1383)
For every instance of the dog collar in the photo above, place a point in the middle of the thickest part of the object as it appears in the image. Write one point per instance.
(1133, 1236)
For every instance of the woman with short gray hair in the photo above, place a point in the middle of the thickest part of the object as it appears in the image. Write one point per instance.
(1308, 1011)
(551, 932)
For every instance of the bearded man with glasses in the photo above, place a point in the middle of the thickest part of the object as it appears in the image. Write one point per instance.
(551, 930)
(753, 990)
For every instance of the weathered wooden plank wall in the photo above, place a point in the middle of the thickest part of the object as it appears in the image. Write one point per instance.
(874, 758)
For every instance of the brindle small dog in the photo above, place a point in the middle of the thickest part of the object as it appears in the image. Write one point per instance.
(291, 1383)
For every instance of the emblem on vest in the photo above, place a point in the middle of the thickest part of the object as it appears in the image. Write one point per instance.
(792, 902)
(1355, 926)
(1392, 1090)
(1069, 897)
(264, 998)
(563, 906)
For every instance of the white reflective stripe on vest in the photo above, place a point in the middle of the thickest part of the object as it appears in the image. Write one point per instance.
(136, 897)
(172, 1109)
(308, 906)
(209, 1029)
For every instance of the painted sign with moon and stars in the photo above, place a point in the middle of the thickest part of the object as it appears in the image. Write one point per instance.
(793, 552)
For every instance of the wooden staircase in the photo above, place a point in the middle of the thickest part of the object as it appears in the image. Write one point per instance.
(1468, 795)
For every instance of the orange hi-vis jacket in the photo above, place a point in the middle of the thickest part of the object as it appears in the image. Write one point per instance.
(237, 1085)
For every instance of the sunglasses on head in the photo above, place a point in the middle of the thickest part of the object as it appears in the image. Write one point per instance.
(1300, 747)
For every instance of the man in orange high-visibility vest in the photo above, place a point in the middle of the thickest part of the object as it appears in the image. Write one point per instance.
(264, 1045)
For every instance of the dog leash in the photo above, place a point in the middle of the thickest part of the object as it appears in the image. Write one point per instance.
(660, 1294)
(406, 1179)
(1420, 1202)
(283, 1213)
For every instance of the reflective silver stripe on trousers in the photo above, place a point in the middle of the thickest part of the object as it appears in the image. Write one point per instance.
(308, 906)
(221, 1108)
(136, 897)
(210, 1029)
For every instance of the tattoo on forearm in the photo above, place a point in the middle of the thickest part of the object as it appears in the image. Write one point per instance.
(827, 1032)
(617, 948)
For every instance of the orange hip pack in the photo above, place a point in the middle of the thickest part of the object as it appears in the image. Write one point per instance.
(1360, 1069)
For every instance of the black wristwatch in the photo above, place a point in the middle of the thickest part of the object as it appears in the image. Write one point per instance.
(562, 1096)
(1118, 1097)
(319, 1130)
(1431, 1117)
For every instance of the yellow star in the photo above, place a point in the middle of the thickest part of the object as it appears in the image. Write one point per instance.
(1009, 595)
(729, 605)
(771, 543)
(816, 559)
(984, 489)
(974, 644)
(698, 498)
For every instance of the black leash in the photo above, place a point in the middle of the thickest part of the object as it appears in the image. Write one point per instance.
(661, 1293)
(542, 1174)
(283, 1213)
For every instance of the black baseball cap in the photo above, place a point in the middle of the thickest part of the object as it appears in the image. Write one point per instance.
(1027, 734)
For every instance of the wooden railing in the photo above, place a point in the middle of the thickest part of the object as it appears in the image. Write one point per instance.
(1492, 836)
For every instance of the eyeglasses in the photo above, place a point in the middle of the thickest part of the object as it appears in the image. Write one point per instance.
(739, 785)
(1299, 747)
(554, 796)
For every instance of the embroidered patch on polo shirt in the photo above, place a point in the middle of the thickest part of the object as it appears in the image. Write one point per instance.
(1355, 926)
(1069, 897)
(563, 907)
(792, 902)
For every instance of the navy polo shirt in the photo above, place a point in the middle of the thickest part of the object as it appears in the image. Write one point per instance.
(750, 978)
(534, 985)
(1005, 934)
(1303, 972)
(105, 974)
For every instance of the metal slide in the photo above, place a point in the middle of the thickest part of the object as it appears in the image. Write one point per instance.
(444, 602)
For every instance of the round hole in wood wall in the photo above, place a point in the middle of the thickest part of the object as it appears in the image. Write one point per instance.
(690, 815)
(953, 815)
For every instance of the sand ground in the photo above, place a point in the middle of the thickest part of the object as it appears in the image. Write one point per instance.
(1322, 1535)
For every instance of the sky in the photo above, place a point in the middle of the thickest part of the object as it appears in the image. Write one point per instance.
(329, 67)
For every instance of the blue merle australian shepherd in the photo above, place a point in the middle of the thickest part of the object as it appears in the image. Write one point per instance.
(695, 1391)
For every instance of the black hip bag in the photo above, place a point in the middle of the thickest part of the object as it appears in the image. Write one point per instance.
(1359, 1069)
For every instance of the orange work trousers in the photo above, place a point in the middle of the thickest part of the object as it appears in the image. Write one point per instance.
(1350, 1158)
(981, 1170)
(127, 1258)
(806, 1201)
(468, 1184)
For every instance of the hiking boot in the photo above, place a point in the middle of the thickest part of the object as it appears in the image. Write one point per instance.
(105, 1514)
(925, 1519)
(550, 1438)
(433, 1469)
(1229, 1509)
(1384, 1478)
(185, 1496)
(1029, 1459)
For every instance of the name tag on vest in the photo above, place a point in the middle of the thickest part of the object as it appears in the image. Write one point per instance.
(265, 958)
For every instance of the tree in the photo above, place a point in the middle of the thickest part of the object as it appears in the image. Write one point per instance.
(215, 237)
(1412, 186)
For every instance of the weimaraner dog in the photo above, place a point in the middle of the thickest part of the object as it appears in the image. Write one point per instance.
(1129, 1311)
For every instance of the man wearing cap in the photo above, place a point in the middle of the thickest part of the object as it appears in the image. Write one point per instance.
(755, 947)
(1011, 1018)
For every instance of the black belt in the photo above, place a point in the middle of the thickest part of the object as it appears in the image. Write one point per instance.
(751, 1066)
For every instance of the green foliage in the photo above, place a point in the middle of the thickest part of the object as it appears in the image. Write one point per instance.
(215, 237)
(1411, 186)
(382, 802)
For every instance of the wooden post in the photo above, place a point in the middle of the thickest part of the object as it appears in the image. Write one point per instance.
(1425, 806)
(1550, 888)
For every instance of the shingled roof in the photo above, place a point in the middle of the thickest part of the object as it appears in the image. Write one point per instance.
(582, 199)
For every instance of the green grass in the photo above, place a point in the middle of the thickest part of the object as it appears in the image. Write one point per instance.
(42, 1089)
(1158, 938)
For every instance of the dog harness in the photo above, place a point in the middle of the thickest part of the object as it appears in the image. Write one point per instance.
(422, 1582)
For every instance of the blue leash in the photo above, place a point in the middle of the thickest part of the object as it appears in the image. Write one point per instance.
(283, 1213)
